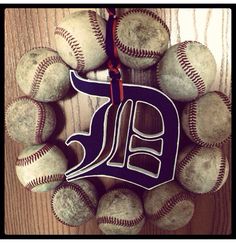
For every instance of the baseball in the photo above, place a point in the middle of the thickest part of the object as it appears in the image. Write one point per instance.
(74, 203)
(202, 170)
(207, 120)
(80, 40)
(42, 75)
(28, 121)
(41, 168)
(141, 38)
(120, 211)
(168, 206)
(186, 71)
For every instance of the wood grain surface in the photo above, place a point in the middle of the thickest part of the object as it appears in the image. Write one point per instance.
(30, 213)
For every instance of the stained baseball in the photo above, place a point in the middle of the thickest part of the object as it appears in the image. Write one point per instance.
(41, 168)
(202, 170)
(141, 37)
(28, 121)
(74, 203)
(186, 71)
(80, 40)
(42, 75)
(207, 120)
(120, 211)
(168, 206)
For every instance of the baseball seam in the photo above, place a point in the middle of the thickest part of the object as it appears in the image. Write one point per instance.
(116, 221)
(186, 160)
(225, 99)
(221, 174)
(96, 29)
(35, 156)
(40, 122)
(84, 197)
(189, 70)
(43, 47)
(40, 118)
(81, 193)
(54, 213)
(132, 51)
(39, 73)
(192, 119)
(120, 222)
(190, 155)
(74, 45)
(44, 180)
(169, 205)
(60, 220)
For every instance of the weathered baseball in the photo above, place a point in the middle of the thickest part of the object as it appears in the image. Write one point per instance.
(141, 37)
(202, 170)
(42, 75)
(74, 203)
(207, 120)
(41, 167)
(168, 206)
(120, 211)
(80, 40)
(186, 71)
(28, 121)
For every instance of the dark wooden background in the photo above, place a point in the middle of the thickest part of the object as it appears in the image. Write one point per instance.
(30, 213)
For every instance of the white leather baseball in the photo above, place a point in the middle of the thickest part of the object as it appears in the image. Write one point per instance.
(74, 203)
(202, 170)
(186, 71)
(42, 75)
(207, 120)
(80, 40)
(168, 206)
(120, 211)
(41, 167)
(141, 37)
(29, 121)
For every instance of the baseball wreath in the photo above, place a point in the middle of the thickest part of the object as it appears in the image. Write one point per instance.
(185, 73)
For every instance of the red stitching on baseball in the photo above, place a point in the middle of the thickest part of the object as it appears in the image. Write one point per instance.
(120, 222)
(96, 29)
(116, 221)
(192, 119)
(225, 99)
(56, 216)
(33, 157)
(41, 69)
(186, 160)
(131, 51)
(220, 175)
(43, 180)
(43, 47)
(170, 204)
(83, 196)
(54, 213)
(74, 45)
(190, 71)
(41, 117)
(40, 122)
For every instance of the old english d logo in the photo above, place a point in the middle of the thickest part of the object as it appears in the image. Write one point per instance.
(113, 148)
